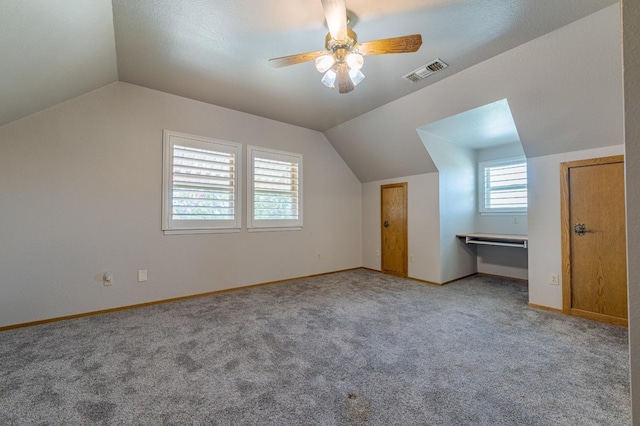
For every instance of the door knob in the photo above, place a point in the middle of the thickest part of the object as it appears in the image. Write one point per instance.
(580, 229)
(386, 224)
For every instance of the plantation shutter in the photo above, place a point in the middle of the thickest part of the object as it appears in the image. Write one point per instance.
(504, 186)
(203, 184)
(202, 181)
(276, 188)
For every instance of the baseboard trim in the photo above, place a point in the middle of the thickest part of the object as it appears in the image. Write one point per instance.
(458, 279)
(158, 302)
(622, 322)
(545, 308)
(520, 280)
(211, 293)
(408, 278)
(421, 280)
(425, 281)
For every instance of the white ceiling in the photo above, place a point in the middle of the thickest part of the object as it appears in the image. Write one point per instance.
(482, 127)
(53, 50)
(564, 91)
(216, 51)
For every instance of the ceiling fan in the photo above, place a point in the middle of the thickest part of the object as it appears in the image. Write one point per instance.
(343, 57)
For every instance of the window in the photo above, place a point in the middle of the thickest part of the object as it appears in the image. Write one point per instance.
(503, 185)
(201, 181)
(275, 189)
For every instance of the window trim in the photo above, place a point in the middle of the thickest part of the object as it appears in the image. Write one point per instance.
(254, 225)
(482, 166)
(170, 226)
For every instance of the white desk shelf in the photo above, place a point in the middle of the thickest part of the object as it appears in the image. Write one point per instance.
(504, 240)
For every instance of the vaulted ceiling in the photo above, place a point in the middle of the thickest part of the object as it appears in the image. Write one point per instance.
(216, 51)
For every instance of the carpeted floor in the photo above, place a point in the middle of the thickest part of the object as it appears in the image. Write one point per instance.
(351, 348)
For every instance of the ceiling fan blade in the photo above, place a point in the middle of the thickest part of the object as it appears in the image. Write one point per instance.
(404, 44)
(345, 85)
(285, 61)
(335, 11)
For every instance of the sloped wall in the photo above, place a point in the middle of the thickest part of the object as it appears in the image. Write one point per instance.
(457, 204)
(631, 44)
(80, 187)
(564, 91)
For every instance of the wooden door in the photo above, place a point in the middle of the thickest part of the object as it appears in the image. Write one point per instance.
(594, 239)
(393, 201)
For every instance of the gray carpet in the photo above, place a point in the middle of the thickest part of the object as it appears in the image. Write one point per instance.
(351, 348)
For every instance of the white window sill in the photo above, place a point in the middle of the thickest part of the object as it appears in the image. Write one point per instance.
(518, 213)
(294, 228)
(200, 231)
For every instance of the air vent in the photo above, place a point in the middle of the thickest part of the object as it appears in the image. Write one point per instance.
(425, 71)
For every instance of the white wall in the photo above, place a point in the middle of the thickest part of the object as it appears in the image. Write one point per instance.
(631, 40)
(502, 224)
(559, 100)
(458, 204)
(504, 261)
(507, 150)
(544, 222)
(80, 187)
(423, 223)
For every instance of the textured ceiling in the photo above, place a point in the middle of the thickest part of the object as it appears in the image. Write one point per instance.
(216, 51)
(53, 50)
(560, 102)
(478, 128)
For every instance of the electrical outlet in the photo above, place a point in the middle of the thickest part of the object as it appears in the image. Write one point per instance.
(319, 256)
(377, 252)
(142, 275)
(107, 279)
(411, 259)
(554, 279)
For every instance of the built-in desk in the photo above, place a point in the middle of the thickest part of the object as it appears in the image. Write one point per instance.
(505, 240)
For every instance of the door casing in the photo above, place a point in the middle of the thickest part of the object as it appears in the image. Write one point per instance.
(566, 235)
(394, 239)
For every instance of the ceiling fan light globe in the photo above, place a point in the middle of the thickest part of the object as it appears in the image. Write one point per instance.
(355, 61)
(329, 79)
(356, 76)
(325, 62)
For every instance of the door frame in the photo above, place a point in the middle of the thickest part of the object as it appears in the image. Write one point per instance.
(406, 227)
(565, 233)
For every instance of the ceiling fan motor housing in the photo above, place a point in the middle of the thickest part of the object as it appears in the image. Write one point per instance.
(343, 57)
(340, 48)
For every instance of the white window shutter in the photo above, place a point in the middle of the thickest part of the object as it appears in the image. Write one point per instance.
(201, 183)
(503, 185)
(275, 189)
